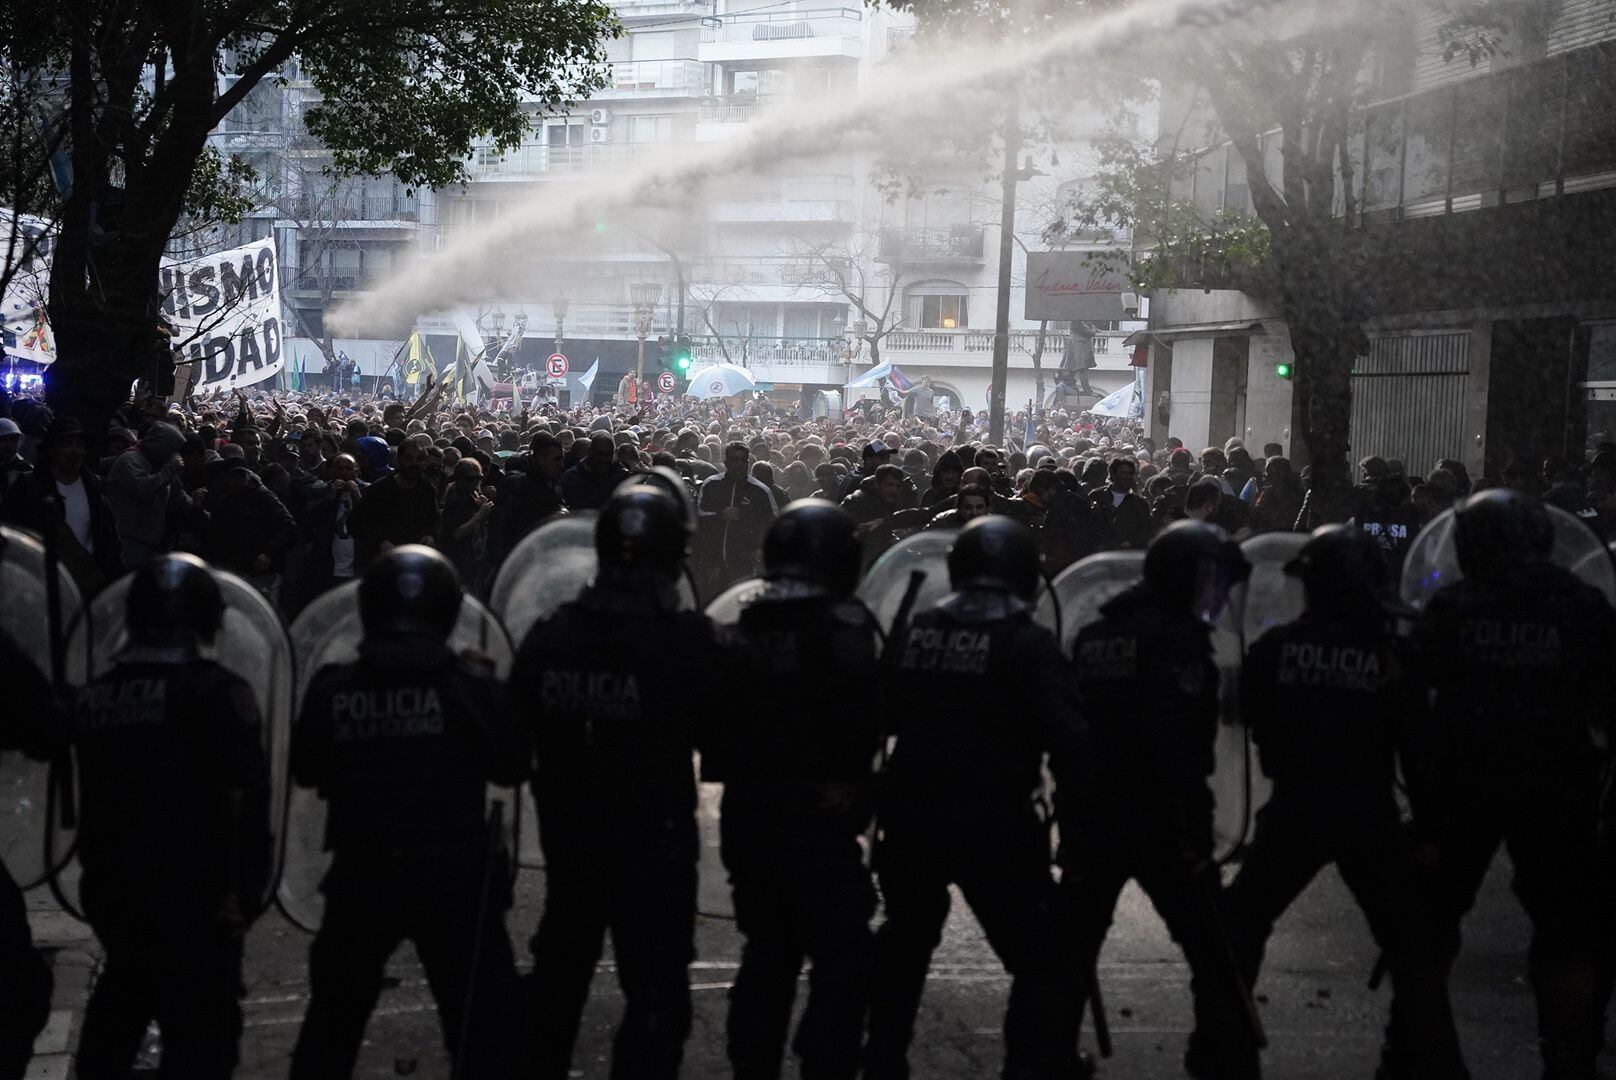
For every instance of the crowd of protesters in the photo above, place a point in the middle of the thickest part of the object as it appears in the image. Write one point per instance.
(297, 492)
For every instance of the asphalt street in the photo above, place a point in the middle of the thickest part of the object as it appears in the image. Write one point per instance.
(1322, 1021)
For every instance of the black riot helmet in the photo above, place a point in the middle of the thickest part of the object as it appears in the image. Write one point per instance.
(813, 540)
(665, 479)
(1500, 528)
(642, 528)
(411, 589)
(175, 592)
(995, 552)
(1193, 564)
(1341, 569)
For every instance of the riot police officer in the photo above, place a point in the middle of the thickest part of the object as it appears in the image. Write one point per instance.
(1324, 700)
(797, 788)
(173, 831)
(1148, 691)
(1515, 661)
(33, 723)
(604, 687)
(979, 696)
(402, 745)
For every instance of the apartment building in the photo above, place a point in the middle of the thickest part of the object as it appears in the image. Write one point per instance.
(1493, 329)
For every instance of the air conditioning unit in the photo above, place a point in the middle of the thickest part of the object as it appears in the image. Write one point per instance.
(600, 135)
(600, 117)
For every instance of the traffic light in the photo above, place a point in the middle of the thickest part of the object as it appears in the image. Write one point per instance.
(1283, 370)
(680, 356)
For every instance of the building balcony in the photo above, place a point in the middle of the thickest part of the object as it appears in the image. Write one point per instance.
(969, 348)
(958, 245)
(641, 80)
(787, 272)
(361, 212)
(630, 11)
(537, 161)
(784, 35)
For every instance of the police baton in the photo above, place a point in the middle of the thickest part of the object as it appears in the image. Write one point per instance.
(1205, 876)
(492, 857)
(1102, 1027)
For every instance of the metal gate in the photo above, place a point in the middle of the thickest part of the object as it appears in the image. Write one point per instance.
(1408, 398)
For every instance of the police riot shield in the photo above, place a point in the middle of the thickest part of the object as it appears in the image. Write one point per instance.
(251, 644)
(34, 636)
(883, 588)
(1083, 588)
(550, 568)
(327, 632)
(1433, 560)
(1266, 599)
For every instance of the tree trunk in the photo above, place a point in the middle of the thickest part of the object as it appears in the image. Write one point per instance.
(100, 353)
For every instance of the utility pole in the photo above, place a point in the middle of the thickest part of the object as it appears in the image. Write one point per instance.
(1007, 243)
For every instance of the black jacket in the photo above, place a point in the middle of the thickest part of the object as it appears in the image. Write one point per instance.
(604, 690)
(584, 489)
(979, 695)
(165, 743)
(398, 515)
(402, 745)
(243, 526)
(1127, 523)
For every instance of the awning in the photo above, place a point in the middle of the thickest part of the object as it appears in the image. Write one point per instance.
(1171, 333)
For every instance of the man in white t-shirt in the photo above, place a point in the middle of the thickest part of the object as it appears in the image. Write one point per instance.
(62, 501)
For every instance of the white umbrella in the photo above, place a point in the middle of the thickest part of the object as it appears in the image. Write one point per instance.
(720, 380)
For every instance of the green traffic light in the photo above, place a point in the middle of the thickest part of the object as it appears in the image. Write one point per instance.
(1283, 371)
(682, 363)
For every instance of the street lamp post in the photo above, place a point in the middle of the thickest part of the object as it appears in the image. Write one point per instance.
(644, 296)
(559, 307)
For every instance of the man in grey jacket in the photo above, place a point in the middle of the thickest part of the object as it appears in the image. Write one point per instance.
(139, 486)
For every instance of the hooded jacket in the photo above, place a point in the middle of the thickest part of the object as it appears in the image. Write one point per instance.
(141, 481)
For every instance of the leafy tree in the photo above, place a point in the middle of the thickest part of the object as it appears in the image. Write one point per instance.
(129, 91)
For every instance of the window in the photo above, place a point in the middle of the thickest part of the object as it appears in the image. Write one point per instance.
(564, 134)
(650, 129)
(944, 312)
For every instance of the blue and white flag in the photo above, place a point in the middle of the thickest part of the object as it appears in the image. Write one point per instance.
(587, 379)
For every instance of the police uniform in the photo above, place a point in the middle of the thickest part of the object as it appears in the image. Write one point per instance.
(402, 745)
(797, 786)
(1515, 749)
(1148, 691)
(979, 696)
(173, 820)
(604, 688)
(1326, 708)
(33, 718)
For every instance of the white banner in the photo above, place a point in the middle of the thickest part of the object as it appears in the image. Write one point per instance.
(227, 311)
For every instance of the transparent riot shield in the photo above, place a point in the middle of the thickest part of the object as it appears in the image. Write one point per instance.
(1083, 588)
(1268, 598)
(1433, 560)
(883, 588)
(251, 644)
(713, 895)
(26, 620)
(327, 632)
(550, 568)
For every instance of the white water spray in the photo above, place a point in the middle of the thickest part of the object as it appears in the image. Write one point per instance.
(905, 96)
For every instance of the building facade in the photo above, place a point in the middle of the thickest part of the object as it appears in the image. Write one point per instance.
(1492, 191)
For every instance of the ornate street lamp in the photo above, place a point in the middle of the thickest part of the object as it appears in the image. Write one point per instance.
(644, 296)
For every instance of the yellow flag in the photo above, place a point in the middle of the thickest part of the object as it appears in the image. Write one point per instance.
(418, 359)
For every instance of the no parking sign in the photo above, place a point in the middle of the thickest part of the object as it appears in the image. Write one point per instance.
(556, 366)
(665, 382)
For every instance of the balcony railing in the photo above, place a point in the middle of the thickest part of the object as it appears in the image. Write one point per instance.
(341, 207)
(540, 159)
(746, 350)
(1107, 346)
(1533, 131)
(731, 111)
(963, 242)
(650, 78)
(843, 23)
(788, 271)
